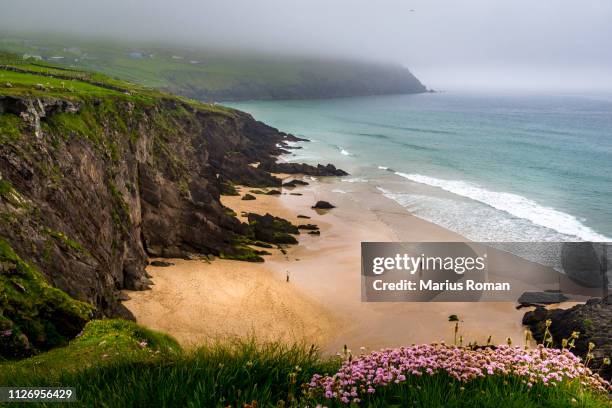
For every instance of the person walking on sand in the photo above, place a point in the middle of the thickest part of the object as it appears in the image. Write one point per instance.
(287, 276)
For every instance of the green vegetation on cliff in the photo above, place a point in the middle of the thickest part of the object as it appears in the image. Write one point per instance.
(101, 343)
(34, 315)
(215, 75)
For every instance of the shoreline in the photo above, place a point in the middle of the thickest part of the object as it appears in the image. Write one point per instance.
(198, 301)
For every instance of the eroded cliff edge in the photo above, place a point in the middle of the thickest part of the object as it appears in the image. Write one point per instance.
(91, 186)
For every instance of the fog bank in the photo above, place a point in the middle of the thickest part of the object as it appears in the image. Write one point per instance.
(547, 44)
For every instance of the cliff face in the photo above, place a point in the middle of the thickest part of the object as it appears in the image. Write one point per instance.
(92, 186)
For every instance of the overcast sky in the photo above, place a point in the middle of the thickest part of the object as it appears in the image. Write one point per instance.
(448, 44)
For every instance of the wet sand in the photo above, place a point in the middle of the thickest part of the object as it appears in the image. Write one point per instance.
(197, 301)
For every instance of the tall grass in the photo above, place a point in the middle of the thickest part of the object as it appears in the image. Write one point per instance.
(120, 364)
(232, 373)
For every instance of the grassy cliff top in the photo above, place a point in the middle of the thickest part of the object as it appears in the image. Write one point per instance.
(217, 75)
(21, 77)
(35, 79)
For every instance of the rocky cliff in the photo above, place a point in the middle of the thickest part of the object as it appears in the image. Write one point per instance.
(93, 185)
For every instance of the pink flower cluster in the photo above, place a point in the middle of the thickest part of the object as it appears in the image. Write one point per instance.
(364, 374)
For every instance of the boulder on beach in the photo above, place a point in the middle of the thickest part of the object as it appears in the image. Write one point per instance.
(303, 216)
(323, 205)
(541, 298)
(273, 192)
(161, 263)
(311, 227)
(317, 232)
(248, 197)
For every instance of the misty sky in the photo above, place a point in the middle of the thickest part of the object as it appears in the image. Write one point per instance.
(447, 43)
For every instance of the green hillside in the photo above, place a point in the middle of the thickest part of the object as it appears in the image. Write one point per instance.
(214, 75)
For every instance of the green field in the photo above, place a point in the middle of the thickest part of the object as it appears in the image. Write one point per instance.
(214, 74)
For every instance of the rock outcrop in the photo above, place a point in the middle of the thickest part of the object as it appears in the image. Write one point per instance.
(594, 322)
(271, 229)
(295, 183)
(302, 168)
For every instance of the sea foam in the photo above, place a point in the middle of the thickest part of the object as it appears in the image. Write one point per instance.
(515, 205)
(354, 180)
(344, 152)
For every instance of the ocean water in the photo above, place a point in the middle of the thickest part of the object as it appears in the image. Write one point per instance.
(503, 167)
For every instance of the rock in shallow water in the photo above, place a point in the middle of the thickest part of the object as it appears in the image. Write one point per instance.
(295, 183)
(323, 205)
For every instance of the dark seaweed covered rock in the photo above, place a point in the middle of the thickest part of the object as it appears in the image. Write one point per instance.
(162, 264)
(248, 197)
(323, 205)
(593, 320)
(293, 138)
(302, 168)
(262, 244)
(541, 298)
(303, 216)
(269, 228)
(228, 189)
(308, 227)
(273, 192)
(295, 183)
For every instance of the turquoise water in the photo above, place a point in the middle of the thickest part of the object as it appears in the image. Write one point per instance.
(491, 167)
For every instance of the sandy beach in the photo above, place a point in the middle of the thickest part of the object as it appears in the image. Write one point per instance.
(198, 301)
